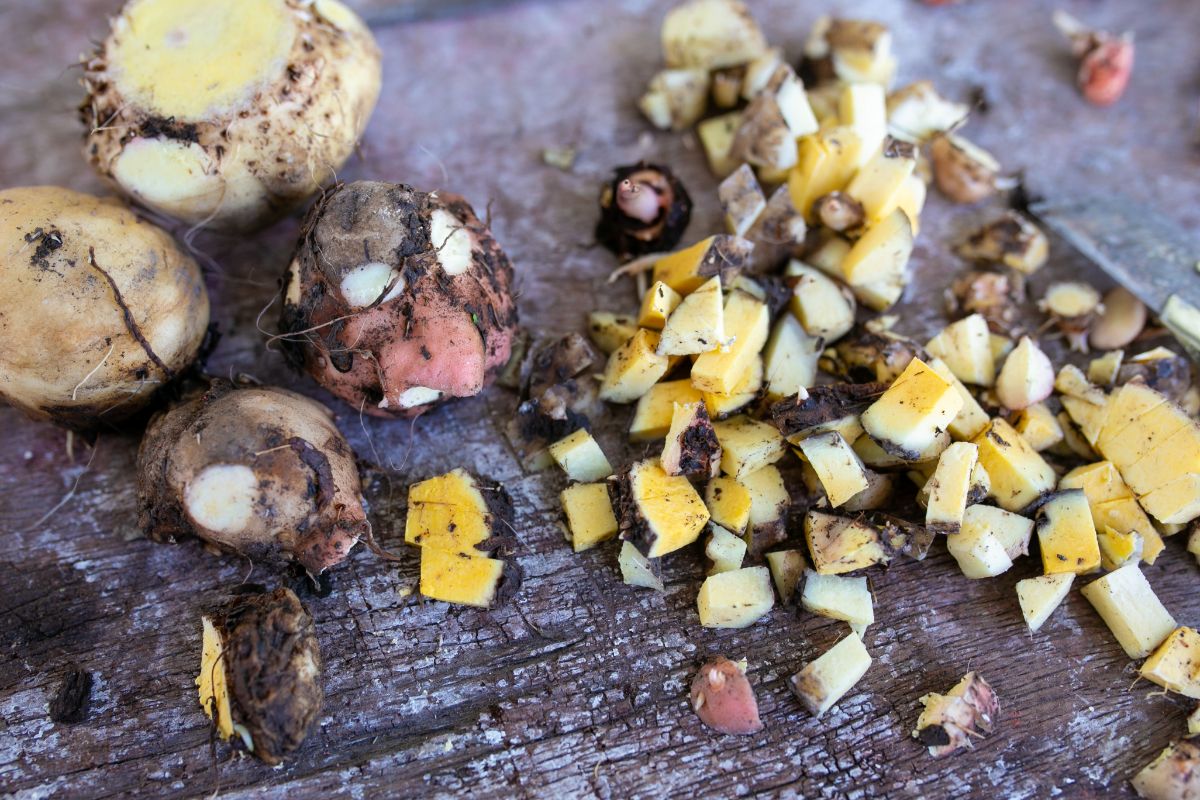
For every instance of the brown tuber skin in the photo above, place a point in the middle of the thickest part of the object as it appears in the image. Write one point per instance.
(255, 470)
(959, 175)
(273, 669)
(643, 209)
(724, 699)
(994, 295)
(839, 211)
(397, 300)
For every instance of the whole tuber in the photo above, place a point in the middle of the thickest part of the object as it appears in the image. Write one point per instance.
(228, 113)
(724, 699)
(255, 470)
(98, 309)
(260, 672)
(397, 300)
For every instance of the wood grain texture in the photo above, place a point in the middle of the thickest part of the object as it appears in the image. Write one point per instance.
(579, 687)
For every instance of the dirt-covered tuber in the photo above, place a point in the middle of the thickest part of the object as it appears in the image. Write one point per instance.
(255, 470)
(398, 299)
(98, 309)
(260, 672)
(228, 113)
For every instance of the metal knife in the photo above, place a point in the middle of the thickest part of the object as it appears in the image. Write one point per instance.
(1140, 250)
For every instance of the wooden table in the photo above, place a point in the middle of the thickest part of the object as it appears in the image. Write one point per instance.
(579, 687)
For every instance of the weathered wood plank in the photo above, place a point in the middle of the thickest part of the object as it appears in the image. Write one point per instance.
(578, 689)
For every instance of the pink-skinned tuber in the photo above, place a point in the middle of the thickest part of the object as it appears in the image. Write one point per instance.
(397, 300)
(254, 470)
(724, 699)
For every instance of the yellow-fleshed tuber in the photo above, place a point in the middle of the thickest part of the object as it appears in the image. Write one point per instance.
(98, 309)
(228, 113)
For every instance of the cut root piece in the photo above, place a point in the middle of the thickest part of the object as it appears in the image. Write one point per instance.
(787, 568)
(949, 487)
(965, 347)
(1132, 611)
(1019, 475)
(697, 325)
(1026, 378)
(950, 721)
(1175, 665)
(657, 512)
(735, 599)
(823, 682)
(590, 518)
(1067, 534)
(633, 368)
(581, 458)
(457, 577)
(913, 411)
(1012, 240)
(747, 445)
(838, 597)
(1173, 775)
(837, 466)
(724, 550)
(637, 570)
(691, 448)
(1038, 597)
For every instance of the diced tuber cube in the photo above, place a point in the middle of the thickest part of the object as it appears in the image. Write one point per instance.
(659, 513)
(1012, 530)
(747, 321)
(711, 34)
(876, 268)
(838, 597)
(451, 512)
(839, 469)
(728, 503)
(1018, 473)
(590, 518)
(863, 107)
(691, 448)
(1118, 549)
(821, 683)
(787, 568)
(824, 308)
(790, 359)
(980, 553)
(633, 368)
(716, 137)
(878, 184)
(1038, 597)
(1039, 427)
(1174, 775)
(971, 419)
(1067, 534)
(657, 305)
(908, 417)
(965, 347)
(735, 599)
(839, 544)
(581, 457)
(608, 331)
(457, 577)
(747, 445)
(746, 390)
(724, 550)
(1131, 610)
(676, 99)
(697, 325)
(655, 409)
(1176, 663)
(686, 270)
(826, 163)
(950, 486)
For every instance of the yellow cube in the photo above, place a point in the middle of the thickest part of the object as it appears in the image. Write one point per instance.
(1067, 535)
(633, 368)
(671, 512)
(1018, 473)
(1176, 662)
(728, 503)
(827, 161)
(747, 320)
(460, 578)
(908, 417)
(652, 417)
(590, 518)
(747, 445)
(657, 305)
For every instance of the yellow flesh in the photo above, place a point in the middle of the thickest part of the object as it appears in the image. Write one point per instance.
(589, 514)
(1067, 535)
(747, 320)
(729, 503)
(652, 419)
(670, 505)
(191, 59)
(211, 680)
(1018, 473)
(447, 512)
(459, 578)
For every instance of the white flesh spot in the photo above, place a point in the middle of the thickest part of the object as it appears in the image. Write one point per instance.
(452, 242)
(221, 497)
(363, 285)
(416, 396)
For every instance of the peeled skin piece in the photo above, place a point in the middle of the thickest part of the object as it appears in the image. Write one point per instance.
(723, 698)
(98, 309)
(949, 722)
(228, 113)
(258, 470)
(440, 320)
(260, 672)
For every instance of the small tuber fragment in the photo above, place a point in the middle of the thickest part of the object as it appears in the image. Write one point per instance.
(1105, 60)
(950, 721)
(643, 209)
(964, 172)
(723, 698)
(260, 672)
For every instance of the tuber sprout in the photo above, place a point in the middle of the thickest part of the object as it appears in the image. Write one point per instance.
(643, 209)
